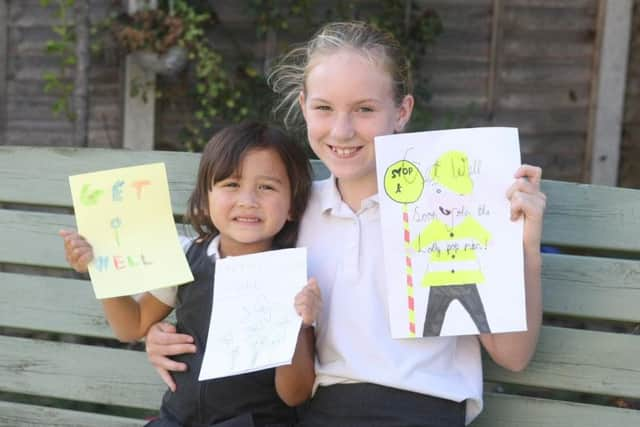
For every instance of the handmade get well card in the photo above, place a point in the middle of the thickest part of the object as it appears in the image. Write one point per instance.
(453, 258)
(125, 214)
(253, 324)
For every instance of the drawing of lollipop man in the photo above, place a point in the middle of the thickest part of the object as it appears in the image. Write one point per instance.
(452, 241)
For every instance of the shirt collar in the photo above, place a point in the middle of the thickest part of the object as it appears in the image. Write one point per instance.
(213, 250)
(331, 200)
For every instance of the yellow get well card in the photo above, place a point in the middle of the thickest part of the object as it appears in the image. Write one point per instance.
(125, 214)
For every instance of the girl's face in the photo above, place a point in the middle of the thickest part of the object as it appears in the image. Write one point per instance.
(348, 100)
(251, 206)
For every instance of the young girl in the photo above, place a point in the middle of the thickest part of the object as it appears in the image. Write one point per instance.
(350, 83)
(252, 188)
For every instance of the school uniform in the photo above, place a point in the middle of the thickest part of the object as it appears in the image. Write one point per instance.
(247, 400)
(363, 376)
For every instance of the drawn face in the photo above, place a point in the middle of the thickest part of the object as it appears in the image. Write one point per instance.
(348, 100)
(251, 206)
(447, 203)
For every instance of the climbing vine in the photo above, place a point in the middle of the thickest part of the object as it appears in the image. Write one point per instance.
(227, 88)
(63, 48)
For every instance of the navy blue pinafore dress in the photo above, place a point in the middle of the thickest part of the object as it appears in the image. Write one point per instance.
(248, 400)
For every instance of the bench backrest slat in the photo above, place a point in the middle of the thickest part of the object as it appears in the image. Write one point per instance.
(580, 361)
(503, 410)
(18, 414)
(79, 372)
(43, 303)
(591, 217)
(591, 287)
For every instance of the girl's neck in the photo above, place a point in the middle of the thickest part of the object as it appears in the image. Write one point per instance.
(226, 249)
(353, 192)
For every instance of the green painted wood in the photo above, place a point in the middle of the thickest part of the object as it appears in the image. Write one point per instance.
(519, 411)
(51, 304)
(610, 214)
(31, 238)
(79, 372)
(579, 360)
(39, 175)
(598, 288)
(592, 216)
(21, 415)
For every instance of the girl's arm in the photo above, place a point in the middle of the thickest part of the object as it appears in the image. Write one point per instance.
(129, 319)
(294, 382)
(514, 350)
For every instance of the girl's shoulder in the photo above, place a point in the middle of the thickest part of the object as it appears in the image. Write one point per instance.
(185, 242)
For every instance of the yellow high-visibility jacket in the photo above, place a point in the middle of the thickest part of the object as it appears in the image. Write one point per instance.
(452, 252)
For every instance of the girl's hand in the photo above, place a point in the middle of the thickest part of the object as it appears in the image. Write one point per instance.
(308, 302)
(162, 341)
(77, 251)
(527, 199)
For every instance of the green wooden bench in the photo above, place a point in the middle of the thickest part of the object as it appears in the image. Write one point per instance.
(56, 370)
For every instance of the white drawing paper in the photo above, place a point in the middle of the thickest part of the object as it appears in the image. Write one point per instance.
(254, 325)
(453, 257)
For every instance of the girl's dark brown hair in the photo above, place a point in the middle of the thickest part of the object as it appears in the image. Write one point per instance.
(222, 157)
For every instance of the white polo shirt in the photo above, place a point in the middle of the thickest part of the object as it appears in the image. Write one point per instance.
(353, 337)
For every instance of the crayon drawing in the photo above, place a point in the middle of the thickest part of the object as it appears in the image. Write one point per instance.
(453, 257)
(126, 216)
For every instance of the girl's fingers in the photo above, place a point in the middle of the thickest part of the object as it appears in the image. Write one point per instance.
(163, 362)
(532, 173)
(162, 340)
(167, 378)
(78, 252)
(522, 185)
(531, 205)
(308, 302)
(525, 195)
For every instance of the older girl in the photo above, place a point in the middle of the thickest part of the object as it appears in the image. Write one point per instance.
(350, 83)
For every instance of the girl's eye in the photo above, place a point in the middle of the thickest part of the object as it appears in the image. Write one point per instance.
(365, 110)
(229, 184)
(265, 187)
(323, 108)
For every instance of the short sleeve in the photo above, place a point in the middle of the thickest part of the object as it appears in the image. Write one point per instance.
(168, 295)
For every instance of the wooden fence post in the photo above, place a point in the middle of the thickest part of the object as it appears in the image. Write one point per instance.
(4, 63)
(605, 133)
(138, 114)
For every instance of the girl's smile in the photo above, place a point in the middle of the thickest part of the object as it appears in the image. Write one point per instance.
(251, 206)
(348, 101)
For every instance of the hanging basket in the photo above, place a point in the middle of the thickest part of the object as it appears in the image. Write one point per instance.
(169, 63)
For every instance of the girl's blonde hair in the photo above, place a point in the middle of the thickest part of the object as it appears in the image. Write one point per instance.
(287, 79)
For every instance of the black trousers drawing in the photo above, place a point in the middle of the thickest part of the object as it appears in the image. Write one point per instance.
(439, 299)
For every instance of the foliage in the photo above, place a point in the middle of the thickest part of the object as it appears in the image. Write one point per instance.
(63, 48)
(228, 87)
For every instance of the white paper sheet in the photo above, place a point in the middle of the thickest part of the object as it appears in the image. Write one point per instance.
(466, 172)
(253, 323)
